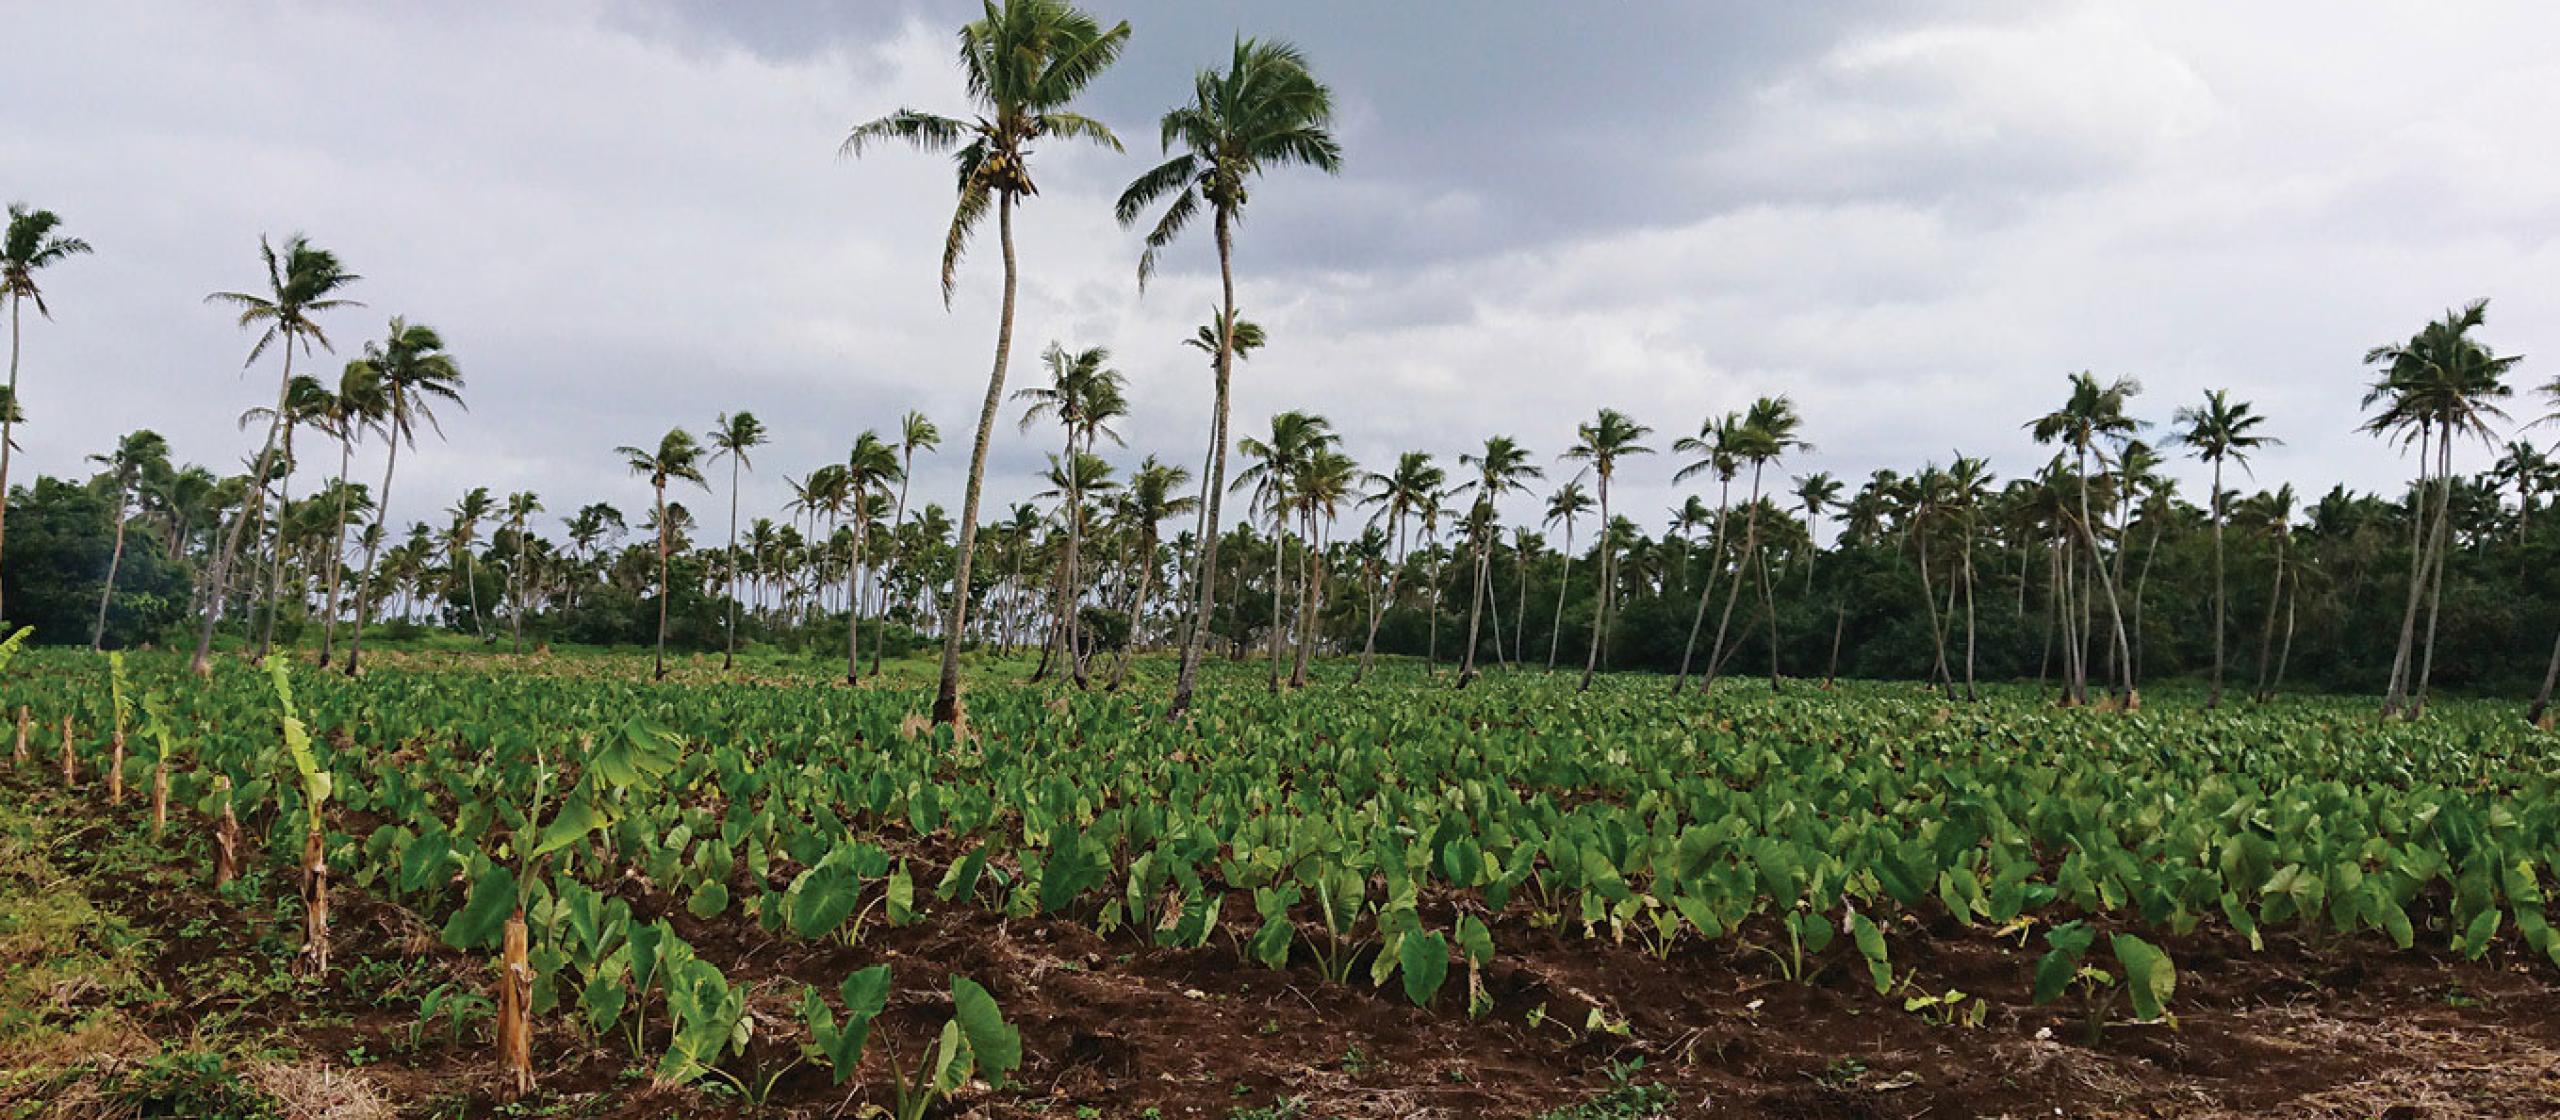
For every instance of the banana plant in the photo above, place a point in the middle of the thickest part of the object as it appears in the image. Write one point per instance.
(314, 782)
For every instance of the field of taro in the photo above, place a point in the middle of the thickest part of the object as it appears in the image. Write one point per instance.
(461, 887)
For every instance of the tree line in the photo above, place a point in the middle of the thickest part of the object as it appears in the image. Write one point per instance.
(2107, 575)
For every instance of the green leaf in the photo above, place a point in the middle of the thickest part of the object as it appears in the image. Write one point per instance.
(643, 751)
(577, 817)
(477, 924)
(994, 1044)
(1425, 957)
(1871, 946)
(2149, 977)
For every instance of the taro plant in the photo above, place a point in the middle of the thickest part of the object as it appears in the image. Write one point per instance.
(975, 1043)
(2148, 981)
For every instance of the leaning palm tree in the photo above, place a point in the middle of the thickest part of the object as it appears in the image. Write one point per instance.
(415, 373)
(29, 245)
(1275, 465)
(1399, 495)
(1503, 467)
(474, 507)
(302, 281)
(358, 404)
(1024, 61)
(139, 455)
(2216, 431)
(916, 433)
(308, 403)
(1084, 395)
(1716, 448)
(1264, 111)
(1609, 437)
(1566, 506)
(1767, 433)
(732, 438)
(677, 458)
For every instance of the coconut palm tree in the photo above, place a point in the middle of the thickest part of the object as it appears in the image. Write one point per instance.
(2441, 384)
(868, 470)
(1024, 62)
(1210, 340)
(414, 372)
(358, 405)
(521, 506)
(1274, 466)
(1323, 481)
(138, 456)
(733, 437)
(1766, 434)
(1084, 395)
(1264, 111)
(1609, 437)
(1400, 495)
(1816, 494)
(308, 403)
(915, 433)
(1716, 448)
(2271, 515)
(302, 281)
(2217, 431)
(677, 458)
(1154, 494)
(1565, 506)
(29, 246)
(1503, 467)
(2091, 414)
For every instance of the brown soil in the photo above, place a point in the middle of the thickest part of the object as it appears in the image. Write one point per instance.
(1113, 1025)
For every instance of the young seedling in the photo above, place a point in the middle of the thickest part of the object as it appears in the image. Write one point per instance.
(314, 782)
(2149, 978)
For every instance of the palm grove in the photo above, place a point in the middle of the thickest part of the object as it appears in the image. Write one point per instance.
(2088, 573)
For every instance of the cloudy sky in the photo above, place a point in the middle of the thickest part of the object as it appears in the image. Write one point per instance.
(1913, 218)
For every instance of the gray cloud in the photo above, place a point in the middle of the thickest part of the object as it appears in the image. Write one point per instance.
(1913, 218)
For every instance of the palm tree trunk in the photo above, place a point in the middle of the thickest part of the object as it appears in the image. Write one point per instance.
(2107, 582)
(1310, 598)
(1733, 593)
(2542, 699)
(1970, 692)
(729, 651)
(1137, 608)
(660, 673)
(9, 417)
(1475, 609)
(1377, 612)
(1600, 596)
(1520, 617)
(202, 664)
(2397, 690)
(1707, 594)
(1555, 621)
(337, 550)
(275, 575)
(1929, 599)
(98, 634)
(955, 614)
(1188, 675)
(1279, 581)
(2267, 636)
(1439, 581)
(854, 567)
(1839, 624)
(2213, 699)
(2442, 548)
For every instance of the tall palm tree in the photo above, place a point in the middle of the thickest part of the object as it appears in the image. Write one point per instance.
(915, 433)
(1399, 494)
(415, 372)
(1767, 433)
(302, 281)
(733, 437)
(2527, 468)
(677, 459)
(868, 470)
(1024, 61)
(308, 403)
(1716, 449)
(138, 456)
(1265, 111)
(2216, 431)
(1565, 506)
(30, 245)
(2091, 414)
(359, 404)
(1084, 395)
(1968, 490)
(1503, 467)
(521, 506)
(474, 507)
(2272, 515)
(1275, 466)
(1609, 437)
(1323, 481)
(1816, 494)
(1154, 494)
(2441, 384)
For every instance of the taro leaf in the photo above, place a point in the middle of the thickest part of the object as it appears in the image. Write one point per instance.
(709, 900)
(604, 996)
(642, 750)
(994, 1044)
(962, 880)
(2149, 977)
(577, 817)
(902, 896)
(1271, 942)
(822, 899)
(1425, 957)
(1871, 946)
(1474, 939)
(477, 924)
